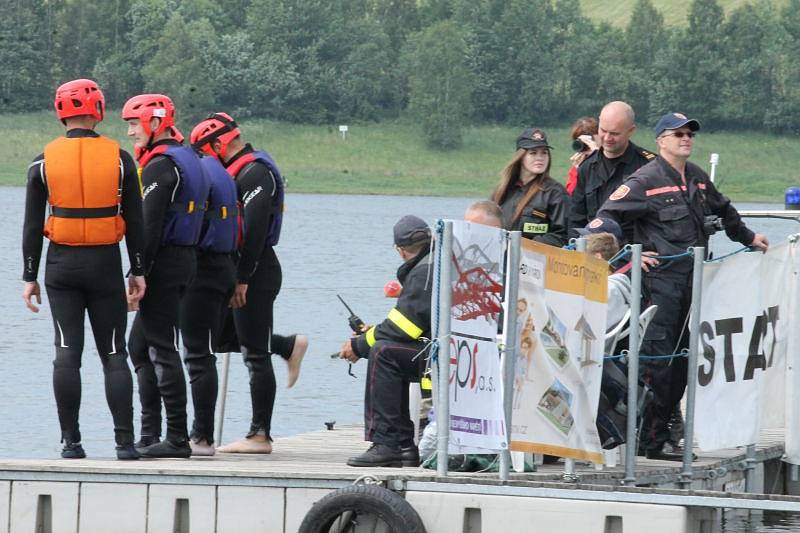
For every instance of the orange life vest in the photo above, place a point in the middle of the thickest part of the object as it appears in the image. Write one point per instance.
(83, 176)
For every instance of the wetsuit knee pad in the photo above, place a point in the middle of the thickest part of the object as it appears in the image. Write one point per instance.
(115, 363)
(254, 361)
(67, 358)
(197, 364)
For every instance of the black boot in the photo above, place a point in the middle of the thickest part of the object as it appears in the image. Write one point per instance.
(167, 449)
(409, 455)
(146, 440)
(73, 450)
(378, 455)
(126, 452)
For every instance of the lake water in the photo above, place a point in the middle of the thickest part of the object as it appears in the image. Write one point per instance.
(330, 244)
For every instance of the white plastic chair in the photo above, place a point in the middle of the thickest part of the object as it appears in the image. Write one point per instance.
(645, 318)
(613, 335)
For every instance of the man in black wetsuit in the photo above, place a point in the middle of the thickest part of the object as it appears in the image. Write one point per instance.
(174, 194)
(90, 186)
(258, 272)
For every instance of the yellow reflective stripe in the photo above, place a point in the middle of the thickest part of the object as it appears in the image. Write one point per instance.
(190, 208)
(224, 212)
(426, 383)
(371, 337)
(409, 328)
(141, 185)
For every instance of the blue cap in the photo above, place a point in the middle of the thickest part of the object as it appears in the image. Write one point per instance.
(673, 121)
(601, 225)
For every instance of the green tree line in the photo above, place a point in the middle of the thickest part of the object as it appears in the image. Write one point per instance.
(444, 63)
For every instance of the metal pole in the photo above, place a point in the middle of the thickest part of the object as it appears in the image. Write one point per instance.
(509, 352)
(750, 469)
(443, 337)
(691, 388)
(631, 439)
(219, 418)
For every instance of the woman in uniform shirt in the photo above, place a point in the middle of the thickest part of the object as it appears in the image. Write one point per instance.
(532, 202)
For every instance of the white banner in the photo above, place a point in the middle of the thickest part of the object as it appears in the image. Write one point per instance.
(561, 323)
(743, 344)
(476, 383)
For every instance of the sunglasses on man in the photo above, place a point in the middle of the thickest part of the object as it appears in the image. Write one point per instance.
(681, 134)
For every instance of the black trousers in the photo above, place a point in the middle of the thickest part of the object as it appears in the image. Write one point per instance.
(666, 377)
(202, 312)
(80, 280)
(391, 367)
(154, 343)
(257, 342)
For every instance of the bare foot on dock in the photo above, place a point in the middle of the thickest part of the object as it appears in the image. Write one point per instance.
(254, 444)
(296, 358)
(201, 448)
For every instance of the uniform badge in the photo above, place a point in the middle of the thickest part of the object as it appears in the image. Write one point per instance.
(596, 223)
(620, 193)
(537, 136)
(679, 115)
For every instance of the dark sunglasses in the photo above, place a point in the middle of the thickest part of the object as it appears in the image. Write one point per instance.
(682, 134)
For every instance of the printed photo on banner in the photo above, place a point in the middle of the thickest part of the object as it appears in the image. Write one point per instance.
(476, 385)
(561, 315)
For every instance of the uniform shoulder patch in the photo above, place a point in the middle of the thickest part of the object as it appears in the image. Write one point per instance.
(620, 193)
(648, 155)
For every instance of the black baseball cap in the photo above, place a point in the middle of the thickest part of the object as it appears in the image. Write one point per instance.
(410, 230)
(601, 225)
(532, 138)
(673, 121)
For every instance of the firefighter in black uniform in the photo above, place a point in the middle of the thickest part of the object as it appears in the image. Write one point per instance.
(606, 169)
(395, 352)
(91, 188)
(531, 201)
(673, 205)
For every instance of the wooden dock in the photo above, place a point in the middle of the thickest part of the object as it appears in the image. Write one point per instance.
(148, 495)
(322, 456)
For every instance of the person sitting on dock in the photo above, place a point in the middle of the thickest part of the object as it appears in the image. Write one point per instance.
(395, 350)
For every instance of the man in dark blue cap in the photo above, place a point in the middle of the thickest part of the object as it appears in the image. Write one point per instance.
(395, 351)
(673, 205)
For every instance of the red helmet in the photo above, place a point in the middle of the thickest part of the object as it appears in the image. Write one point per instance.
(219, 126)
(147, 106)
(80, 97)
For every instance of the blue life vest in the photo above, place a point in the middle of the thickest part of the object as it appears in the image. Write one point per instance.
(274, 232)
(184, 218)
(221, 227)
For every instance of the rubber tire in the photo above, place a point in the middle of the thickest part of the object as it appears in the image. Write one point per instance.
(393, 509)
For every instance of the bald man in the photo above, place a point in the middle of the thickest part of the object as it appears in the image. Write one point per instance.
(603, 171)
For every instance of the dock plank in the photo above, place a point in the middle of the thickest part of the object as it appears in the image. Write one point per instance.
(322, 455)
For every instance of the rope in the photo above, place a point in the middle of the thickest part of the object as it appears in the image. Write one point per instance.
(433, 355)
(647, 357)
(720, 258)
(669, 257)
(620, 255)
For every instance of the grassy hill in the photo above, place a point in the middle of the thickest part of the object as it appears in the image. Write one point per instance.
(618, 12)
(391, 158)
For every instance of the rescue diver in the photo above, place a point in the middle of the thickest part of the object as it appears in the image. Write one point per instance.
(174, 193)
(91, 188)
(260, 190)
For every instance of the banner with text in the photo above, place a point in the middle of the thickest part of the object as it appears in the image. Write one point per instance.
(744, 325)
(477, 422)
(561, 318)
